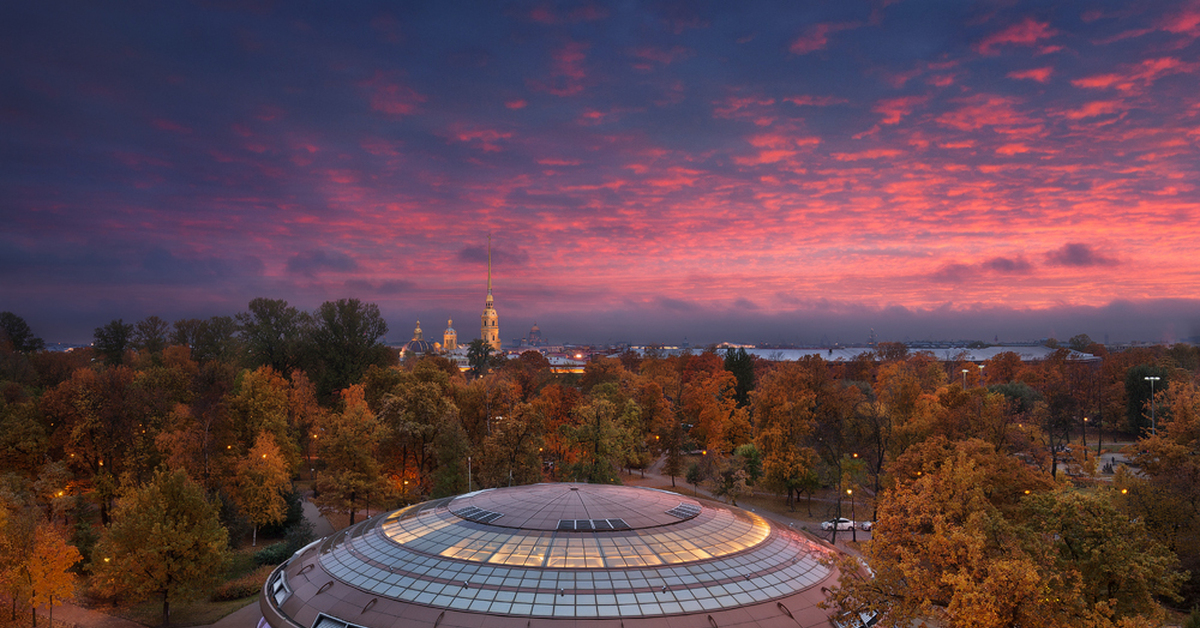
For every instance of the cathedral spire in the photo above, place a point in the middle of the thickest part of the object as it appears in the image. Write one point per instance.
(489, 328)
(489, 276)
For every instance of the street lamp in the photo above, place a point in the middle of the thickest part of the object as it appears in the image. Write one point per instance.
(853, 527)
(1153, 422)
(964, 379)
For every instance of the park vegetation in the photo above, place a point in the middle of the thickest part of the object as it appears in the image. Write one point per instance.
(136, 468)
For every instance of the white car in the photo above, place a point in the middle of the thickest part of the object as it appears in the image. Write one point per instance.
(866, 525)
(841, 524)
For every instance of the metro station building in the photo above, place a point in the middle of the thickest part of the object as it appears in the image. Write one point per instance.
(550, 555)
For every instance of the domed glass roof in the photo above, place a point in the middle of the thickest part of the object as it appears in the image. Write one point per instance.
(561, 552)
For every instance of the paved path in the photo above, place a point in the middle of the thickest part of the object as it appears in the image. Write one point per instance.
(248, 616)
(71, 614)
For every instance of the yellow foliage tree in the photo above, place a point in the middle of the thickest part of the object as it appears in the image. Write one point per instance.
(47, 571)
(968, 538)
(261, 479)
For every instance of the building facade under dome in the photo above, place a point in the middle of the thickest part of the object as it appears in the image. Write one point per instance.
(550, 555)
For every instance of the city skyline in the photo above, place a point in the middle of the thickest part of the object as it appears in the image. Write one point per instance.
(649, 172)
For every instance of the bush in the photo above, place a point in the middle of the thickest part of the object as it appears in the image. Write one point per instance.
(1193, 620)
(244, 586)
(272, 554)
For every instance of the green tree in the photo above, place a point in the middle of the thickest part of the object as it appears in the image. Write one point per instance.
(479, 355)
(346, 339)
(166, 542)
(603, 432)
(16, 332)
(150, 334)
(273, 333)
(741, 365)
(1137, 394)
(111, 341)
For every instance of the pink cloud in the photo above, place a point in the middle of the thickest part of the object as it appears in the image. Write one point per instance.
(815, 37)
(1026, 33)
(742, 106)
(984, 110)
(874, 153)
(1095, 108)
(1041, 75)
(487, 139)
(1185, 22)
(516, 104)
(566, 71)
(390, 96)
(814, 101)
(775, 147)
(894, 109)
(1131, 77)
(163, 124)
(648, 55)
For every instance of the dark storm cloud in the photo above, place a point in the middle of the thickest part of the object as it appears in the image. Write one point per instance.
(1079, 255)
(313, 263)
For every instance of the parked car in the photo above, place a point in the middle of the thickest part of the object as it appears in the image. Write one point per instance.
(841, 523)
(866, 525)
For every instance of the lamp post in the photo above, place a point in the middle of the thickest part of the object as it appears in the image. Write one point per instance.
(964, 379)
(853, 528)
(981, 382)
(1153, 422)
(1085, 420)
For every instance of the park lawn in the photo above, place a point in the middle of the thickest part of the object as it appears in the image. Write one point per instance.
(242, 573)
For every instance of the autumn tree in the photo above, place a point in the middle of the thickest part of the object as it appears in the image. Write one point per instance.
(603, 430)
(24, 439)
(45, 577)
(1166, 492)
(260, 404)
(783, 409)
(348, 444)
(262, 476)
(511, 451)
(969, 539)
(411, 414)
(166, 542)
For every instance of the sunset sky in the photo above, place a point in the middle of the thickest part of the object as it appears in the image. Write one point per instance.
(752, 172)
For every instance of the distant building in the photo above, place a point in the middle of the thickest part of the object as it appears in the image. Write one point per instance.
(449, 337)
(418, 345)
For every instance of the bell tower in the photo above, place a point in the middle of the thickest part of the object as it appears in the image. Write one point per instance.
(489, 328)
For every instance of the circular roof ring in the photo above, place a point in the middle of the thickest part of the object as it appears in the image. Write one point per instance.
(555, 554)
